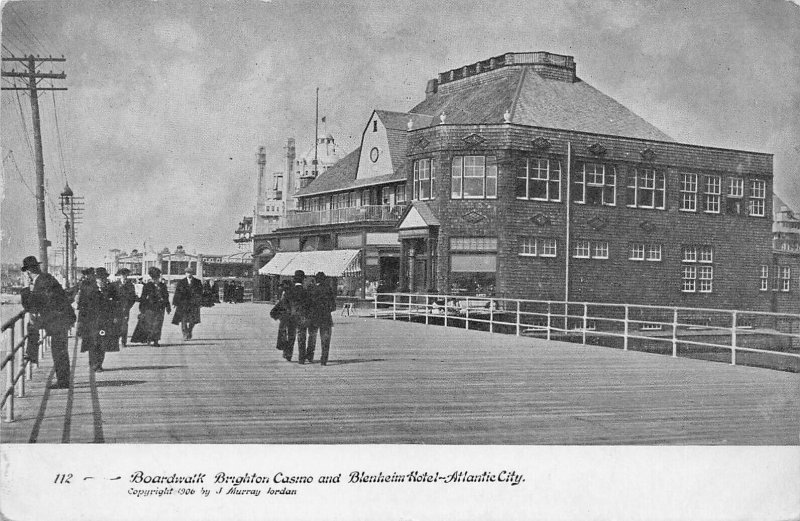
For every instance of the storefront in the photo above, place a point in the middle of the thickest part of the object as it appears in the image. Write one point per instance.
(342, 265)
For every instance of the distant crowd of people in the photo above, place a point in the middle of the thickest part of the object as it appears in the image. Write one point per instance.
(303, 311)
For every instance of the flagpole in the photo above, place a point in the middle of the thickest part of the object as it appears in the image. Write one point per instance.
(316, 133)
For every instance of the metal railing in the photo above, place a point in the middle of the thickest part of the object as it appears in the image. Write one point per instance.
(696, 332)
(369, 213)
(16, 334)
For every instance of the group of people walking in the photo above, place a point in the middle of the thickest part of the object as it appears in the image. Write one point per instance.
(103, 312)
(303, 312)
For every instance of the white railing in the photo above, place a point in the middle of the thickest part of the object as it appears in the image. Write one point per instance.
(370, 213)
(16, 334)
(627, 326)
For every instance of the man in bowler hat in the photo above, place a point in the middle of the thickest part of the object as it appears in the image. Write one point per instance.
(322, 301)
(187, 300)
(50, 308)
(295, 300)
(127, 297)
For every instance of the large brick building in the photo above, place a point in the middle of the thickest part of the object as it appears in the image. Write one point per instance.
(515, 178)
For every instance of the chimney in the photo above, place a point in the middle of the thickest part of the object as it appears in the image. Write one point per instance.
(432, 87)
(289, 178)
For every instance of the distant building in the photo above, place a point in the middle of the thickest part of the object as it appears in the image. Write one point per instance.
(782, 278)
(234, 266)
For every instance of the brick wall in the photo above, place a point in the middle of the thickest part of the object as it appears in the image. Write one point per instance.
(741, 244)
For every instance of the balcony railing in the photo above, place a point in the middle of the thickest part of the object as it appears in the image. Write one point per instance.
(371, 213)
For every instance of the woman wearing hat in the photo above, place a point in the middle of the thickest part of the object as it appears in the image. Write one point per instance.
(152, 304)
(127, 295)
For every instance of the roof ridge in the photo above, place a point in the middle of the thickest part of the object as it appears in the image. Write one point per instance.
(520, 83)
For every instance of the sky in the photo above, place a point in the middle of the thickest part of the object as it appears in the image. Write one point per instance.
(168, 101)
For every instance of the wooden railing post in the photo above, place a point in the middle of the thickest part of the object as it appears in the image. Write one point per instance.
(10, 382)
(19, 355)
(625, 337)
(491, 315)
(427, 313)
(445, 311)
(466, 322)
(734, 320)
(376, 306)
(549, 319)
(675, 333)
(518, 317)
(585, 316)
(394, 306)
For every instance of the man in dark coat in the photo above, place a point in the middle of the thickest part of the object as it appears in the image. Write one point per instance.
(295, 300)
(215, 291)
(88, 302)
(104, 319)
(127, 297)
(187, 300)
(45, 299)
(322, 302)
(282, 315)
(152, 304)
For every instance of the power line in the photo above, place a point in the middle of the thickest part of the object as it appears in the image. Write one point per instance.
(24, 126)
(58, 133)
(16, 18)
(19, 173)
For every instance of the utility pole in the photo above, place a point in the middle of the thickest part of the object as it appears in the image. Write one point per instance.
(32, 76)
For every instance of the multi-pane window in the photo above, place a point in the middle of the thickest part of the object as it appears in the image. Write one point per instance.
(734, 201)
(706, 278)
(590, 249)
(764, 278)
(640, 252)
(399, 194)
(713, 193)
(758, 195)
(783, 278)
(424, 179)
(474, 177)
(637, 252)
(595, 183)
(647, 189)
(599, 250)
(540, 180)
(582, 250)
(735, 187)
(473, 243)
(537, 247)
(697, 277)
(689, 277)
(689, 192)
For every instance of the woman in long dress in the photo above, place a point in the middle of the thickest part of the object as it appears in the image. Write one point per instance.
(152, 304)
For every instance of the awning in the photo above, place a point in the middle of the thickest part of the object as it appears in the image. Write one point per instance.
(334, 263)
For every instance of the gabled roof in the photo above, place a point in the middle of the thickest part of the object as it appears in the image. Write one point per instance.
(396, 124)
(342, 173)
(536, 100)
(342, 176)
(417, 215)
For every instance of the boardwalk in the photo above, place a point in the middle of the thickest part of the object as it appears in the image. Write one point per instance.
(391, 382)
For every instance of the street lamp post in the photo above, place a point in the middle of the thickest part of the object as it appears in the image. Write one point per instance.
(68, 209)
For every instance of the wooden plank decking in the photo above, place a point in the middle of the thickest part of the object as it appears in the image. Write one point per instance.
(395, 382)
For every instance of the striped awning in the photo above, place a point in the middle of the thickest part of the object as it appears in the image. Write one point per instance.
(334, 263)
